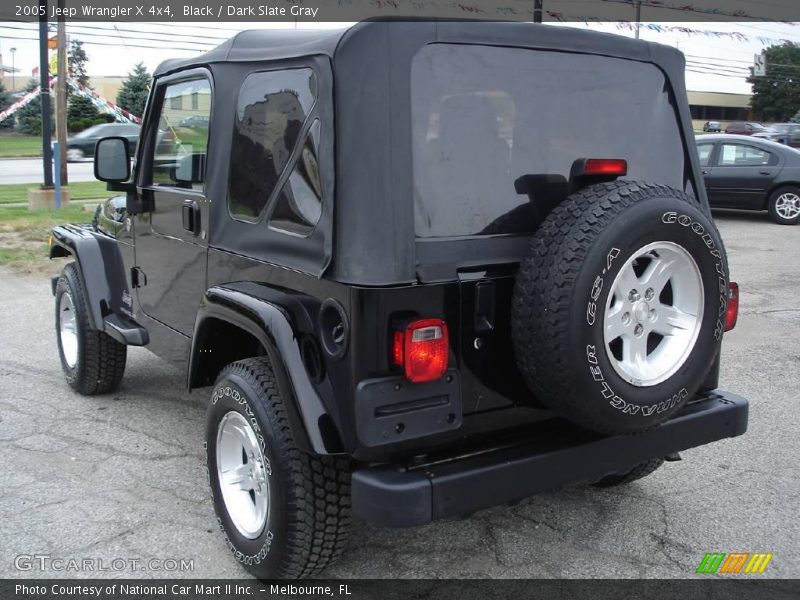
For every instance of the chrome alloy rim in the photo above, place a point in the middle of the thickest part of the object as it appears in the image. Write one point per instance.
(74, 154)
(788, 205)
(653, 314)
(242, 475)
(67, 330)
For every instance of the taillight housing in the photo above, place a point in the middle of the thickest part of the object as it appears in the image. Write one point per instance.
(732, 312)
(422, 349)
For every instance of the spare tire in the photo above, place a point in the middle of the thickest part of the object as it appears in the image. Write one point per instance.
(618, 311)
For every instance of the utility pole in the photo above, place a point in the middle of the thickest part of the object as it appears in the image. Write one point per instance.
(61, 94)
(44, 95)
(537, 11)
(638, 17)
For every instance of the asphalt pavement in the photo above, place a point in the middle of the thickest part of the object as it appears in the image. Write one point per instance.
(30, 170)
(122, 476)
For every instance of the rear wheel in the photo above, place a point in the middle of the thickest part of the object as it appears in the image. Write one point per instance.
(641, 470)
(92, 361)
(284, 513)
(784, 206)
(617, 311)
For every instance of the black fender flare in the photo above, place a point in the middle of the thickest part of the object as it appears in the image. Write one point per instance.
(245, 306)
(100, 266)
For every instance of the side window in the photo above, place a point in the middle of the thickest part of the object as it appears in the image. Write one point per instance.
(180, 150)
(742, 155)
(271, 112)
(299, 204)
(705, 150)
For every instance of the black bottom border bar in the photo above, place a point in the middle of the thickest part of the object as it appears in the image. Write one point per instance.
(710, 588)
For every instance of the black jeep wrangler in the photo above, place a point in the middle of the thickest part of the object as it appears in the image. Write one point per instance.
(424, 268)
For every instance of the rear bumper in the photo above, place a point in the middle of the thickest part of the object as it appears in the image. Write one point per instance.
(554, 456)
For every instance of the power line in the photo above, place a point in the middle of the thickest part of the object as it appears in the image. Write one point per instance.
(171, 34)
(134, 38)
(93, 43)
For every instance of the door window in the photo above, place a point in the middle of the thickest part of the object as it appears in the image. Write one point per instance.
(742, 155)
(271, 113)
(704, 150)
(180, 151)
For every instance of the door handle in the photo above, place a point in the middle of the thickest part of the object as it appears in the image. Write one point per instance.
(705, 172)
(765, 172)
(191, 216)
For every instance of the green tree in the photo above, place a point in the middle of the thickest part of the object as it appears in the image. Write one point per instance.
(5, 101)
(82, 113)
(776, 96)
(132, 95)
(29, 117)
(76, 60)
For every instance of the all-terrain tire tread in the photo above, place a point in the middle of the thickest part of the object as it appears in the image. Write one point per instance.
(318, 510)
(103, 357)
(540, 308)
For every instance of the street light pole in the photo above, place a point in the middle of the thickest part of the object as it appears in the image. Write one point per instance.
(537, 11)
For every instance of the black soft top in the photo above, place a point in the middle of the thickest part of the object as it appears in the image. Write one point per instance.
(371, 64)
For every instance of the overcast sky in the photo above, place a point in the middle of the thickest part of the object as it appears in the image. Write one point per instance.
(716, 63)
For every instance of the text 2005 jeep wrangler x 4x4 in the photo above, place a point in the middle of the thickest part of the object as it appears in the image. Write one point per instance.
(425, 268)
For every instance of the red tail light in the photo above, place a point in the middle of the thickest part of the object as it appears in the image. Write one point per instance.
(732, 313)
(422, 349)
(605, 166)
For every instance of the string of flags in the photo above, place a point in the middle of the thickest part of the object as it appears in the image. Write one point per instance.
(683, 6)
(691, 31)
(106, 106)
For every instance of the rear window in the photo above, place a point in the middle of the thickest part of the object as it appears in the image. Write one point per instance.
(483, 117)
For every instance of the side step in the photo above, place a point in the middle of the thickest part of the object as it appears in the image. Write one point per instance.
(125, 331)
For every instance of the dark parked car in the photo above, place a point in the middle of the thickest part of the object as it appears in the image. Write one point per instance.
(751, 173)
(195, 121)
(81, 145)
(712, 127)
(422, 268)
(743, 128)
(783, 133)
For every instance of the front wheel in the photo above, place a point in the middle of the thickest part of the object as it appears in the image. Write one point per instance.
(284, 513)
(784, 206)
(75, 155)
(92, 361)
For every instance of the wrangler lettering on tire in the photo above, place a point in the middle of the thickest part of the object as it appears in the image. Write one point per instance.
(646, 267)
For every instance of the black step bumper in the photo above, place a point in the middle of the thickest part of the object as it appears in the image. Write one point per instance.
(554, 456)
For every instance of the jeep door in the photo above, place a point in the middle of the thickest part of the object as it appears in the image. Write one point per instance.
(171, 242)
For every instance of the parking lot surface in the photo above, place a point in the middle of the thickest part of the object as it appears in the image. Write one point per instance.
(122, 476)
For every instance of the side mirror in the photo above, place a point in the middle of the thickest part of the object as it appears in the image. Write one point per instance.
(112, 160)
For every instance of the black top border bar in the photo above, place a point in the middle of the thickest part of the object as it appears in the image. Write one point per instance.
(219, 11)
